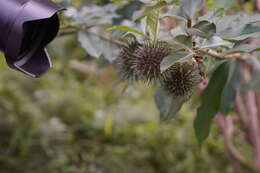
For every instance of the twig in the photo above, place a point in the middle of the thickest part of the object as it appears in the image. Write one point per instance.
(108, 38)
(102, 36)
(219, 56)
(65, 33)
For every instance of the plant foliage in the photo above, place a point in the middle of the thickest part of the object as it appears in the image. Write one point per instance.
(198, 36)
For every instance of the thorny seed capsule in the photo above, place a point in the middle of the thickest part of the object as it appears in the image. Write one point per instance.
(126, 61)
(181, 79)
(148, 59)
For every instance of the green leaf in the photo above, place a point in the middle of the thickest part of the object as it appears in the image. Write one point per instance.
(176, 13)
(178, 31)
(249, 31)
(223, 3)
(196, 32)
(149, 9)
(153, 24)
(229, 93)
(216, 41)
(244, 48)
(168, 61)
(213, 16)
(128, 29)
(129, 35)
(206, 27)
(97, 47)
(169, 1)
(184, 40)
(151, 14)
(110, 50)
(191, 7)
(209, 64)
(238, 27)
(91, 43)
(167, 105)
(211, 100)
(120, 0)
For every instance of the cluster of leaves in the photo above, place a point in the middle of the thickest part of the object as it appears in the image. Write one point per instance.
(193, 37)
(196, 35)
(88, 22)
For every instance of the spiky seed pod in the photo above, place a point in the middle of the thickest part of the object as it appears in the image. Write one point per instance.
(181, 79)
(126, 61)
(148, 60)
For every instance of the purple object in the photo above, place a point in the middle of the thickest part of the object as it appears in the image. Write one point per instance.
(26, 27)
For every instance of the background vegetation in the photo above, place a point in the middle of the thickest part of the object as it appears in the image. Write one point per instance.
(73, 120)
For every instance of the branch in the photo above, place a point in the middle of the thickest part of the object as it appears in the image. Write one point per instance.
(103, 36)
(257, 5)
(254, 125)
(258, 105)
(108, 38)
(241, 111)
(65, 33)
(250, 100)
(227, 129)
(219, 56)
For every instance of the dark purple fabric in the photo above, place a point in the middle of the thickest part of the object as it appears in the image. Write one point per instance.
(14, 16)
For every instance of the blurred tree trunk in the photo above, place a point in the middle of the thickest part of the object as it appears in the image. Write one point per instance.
(257, 4)
(247, 108)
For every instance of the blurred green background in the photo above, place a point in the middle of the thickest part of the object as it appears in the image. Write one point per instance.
(70, 121)
(73, 120)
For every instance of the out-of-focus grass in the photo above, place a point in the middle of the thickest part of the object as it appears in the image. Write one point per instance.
(69, 122)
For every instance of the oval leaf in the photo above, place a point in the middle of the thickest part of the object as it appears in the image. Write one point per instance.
(211, 100)
(91, 43)
(167, 104)
(191, 7)
(245, 48)
(216, 41)
(223, 3)
(206, 27)
(231, 87)
(153, 24)
(128, 29)
(184, 40)
(168, 61)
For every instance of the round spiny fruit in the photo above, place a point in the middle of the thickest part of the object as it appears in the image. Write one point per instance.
(181, 78)
(148, 60)
(126, 61)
